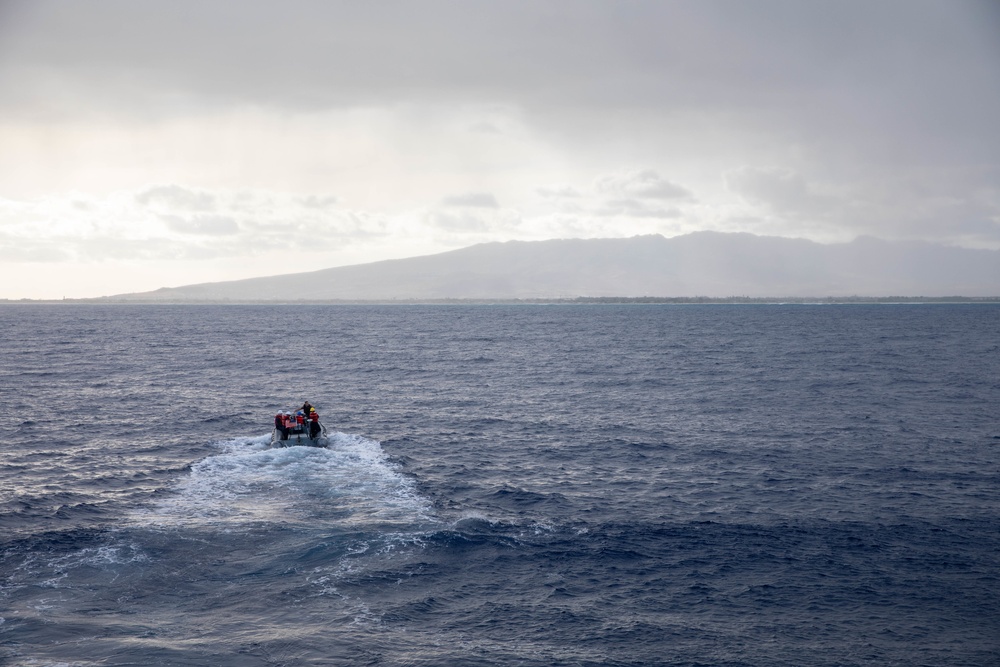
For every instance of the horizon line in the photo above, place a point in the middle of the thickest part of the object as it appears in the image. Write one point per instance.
(582, 300)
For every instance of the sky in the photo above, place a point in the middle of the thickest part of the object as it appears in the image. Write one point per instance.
(153, 144)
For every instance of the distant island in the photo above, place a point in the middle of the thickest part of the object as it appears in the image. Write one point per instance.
(595, 300)
(702, 267)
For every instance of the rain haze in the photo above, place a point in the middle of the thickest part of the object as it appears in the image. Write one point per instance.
(145, 145)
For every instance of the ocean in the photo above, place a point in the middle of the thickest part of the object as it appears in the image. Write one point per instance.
(530, 485)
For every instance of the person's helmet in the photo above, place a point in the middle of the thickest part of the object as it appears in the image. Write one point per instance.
(312, 409)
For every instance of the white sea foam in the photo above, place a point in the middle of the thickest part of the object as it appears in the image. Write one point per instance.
(351, 483)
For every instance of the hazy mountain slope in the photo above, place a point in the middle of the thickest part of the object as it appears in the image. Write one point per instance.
(699, 264)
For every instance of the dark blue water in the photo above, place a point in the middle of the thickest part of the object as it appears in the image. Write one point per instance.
(508, 485)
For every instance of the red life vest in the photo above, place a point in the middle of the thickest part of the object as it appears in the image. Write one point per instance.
(300, 419)
(314, 416)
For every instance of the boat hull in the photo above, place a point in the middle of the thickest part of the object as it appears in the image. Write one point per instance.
(300, 438)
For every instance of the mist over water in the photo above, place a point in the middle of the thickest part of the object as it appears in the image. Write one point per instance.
(512, 485)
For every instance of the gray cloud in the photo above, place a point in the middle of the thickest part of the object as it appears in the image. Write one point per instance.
(485, 127)
(462, 222)
(778, 188)
(176, 197)
(209, 225)
(635, 208)
(566, 52)
(559, 192)
(312, 201)
(104, 249)
(879, 83)
(18, 250)
(472, 200)
(930, 211)
(643, 184)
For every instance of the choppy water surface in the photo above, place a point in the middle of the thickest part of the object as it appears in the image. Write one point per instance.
(508, 485)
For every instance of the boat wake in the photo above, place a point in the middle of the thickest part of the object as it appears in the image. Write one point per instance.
(350, 485)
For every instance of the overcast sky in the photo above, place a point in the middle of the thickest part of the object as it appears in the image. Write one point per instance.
(150, 144)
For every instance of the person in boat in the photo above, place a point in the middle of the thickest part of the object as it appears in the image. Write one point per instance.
(300, 422)
(279, 423)
(314, 427)
(306, 407)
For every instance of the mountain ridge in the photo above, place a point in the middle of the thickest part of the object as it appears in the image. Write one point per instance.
(708, 264)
